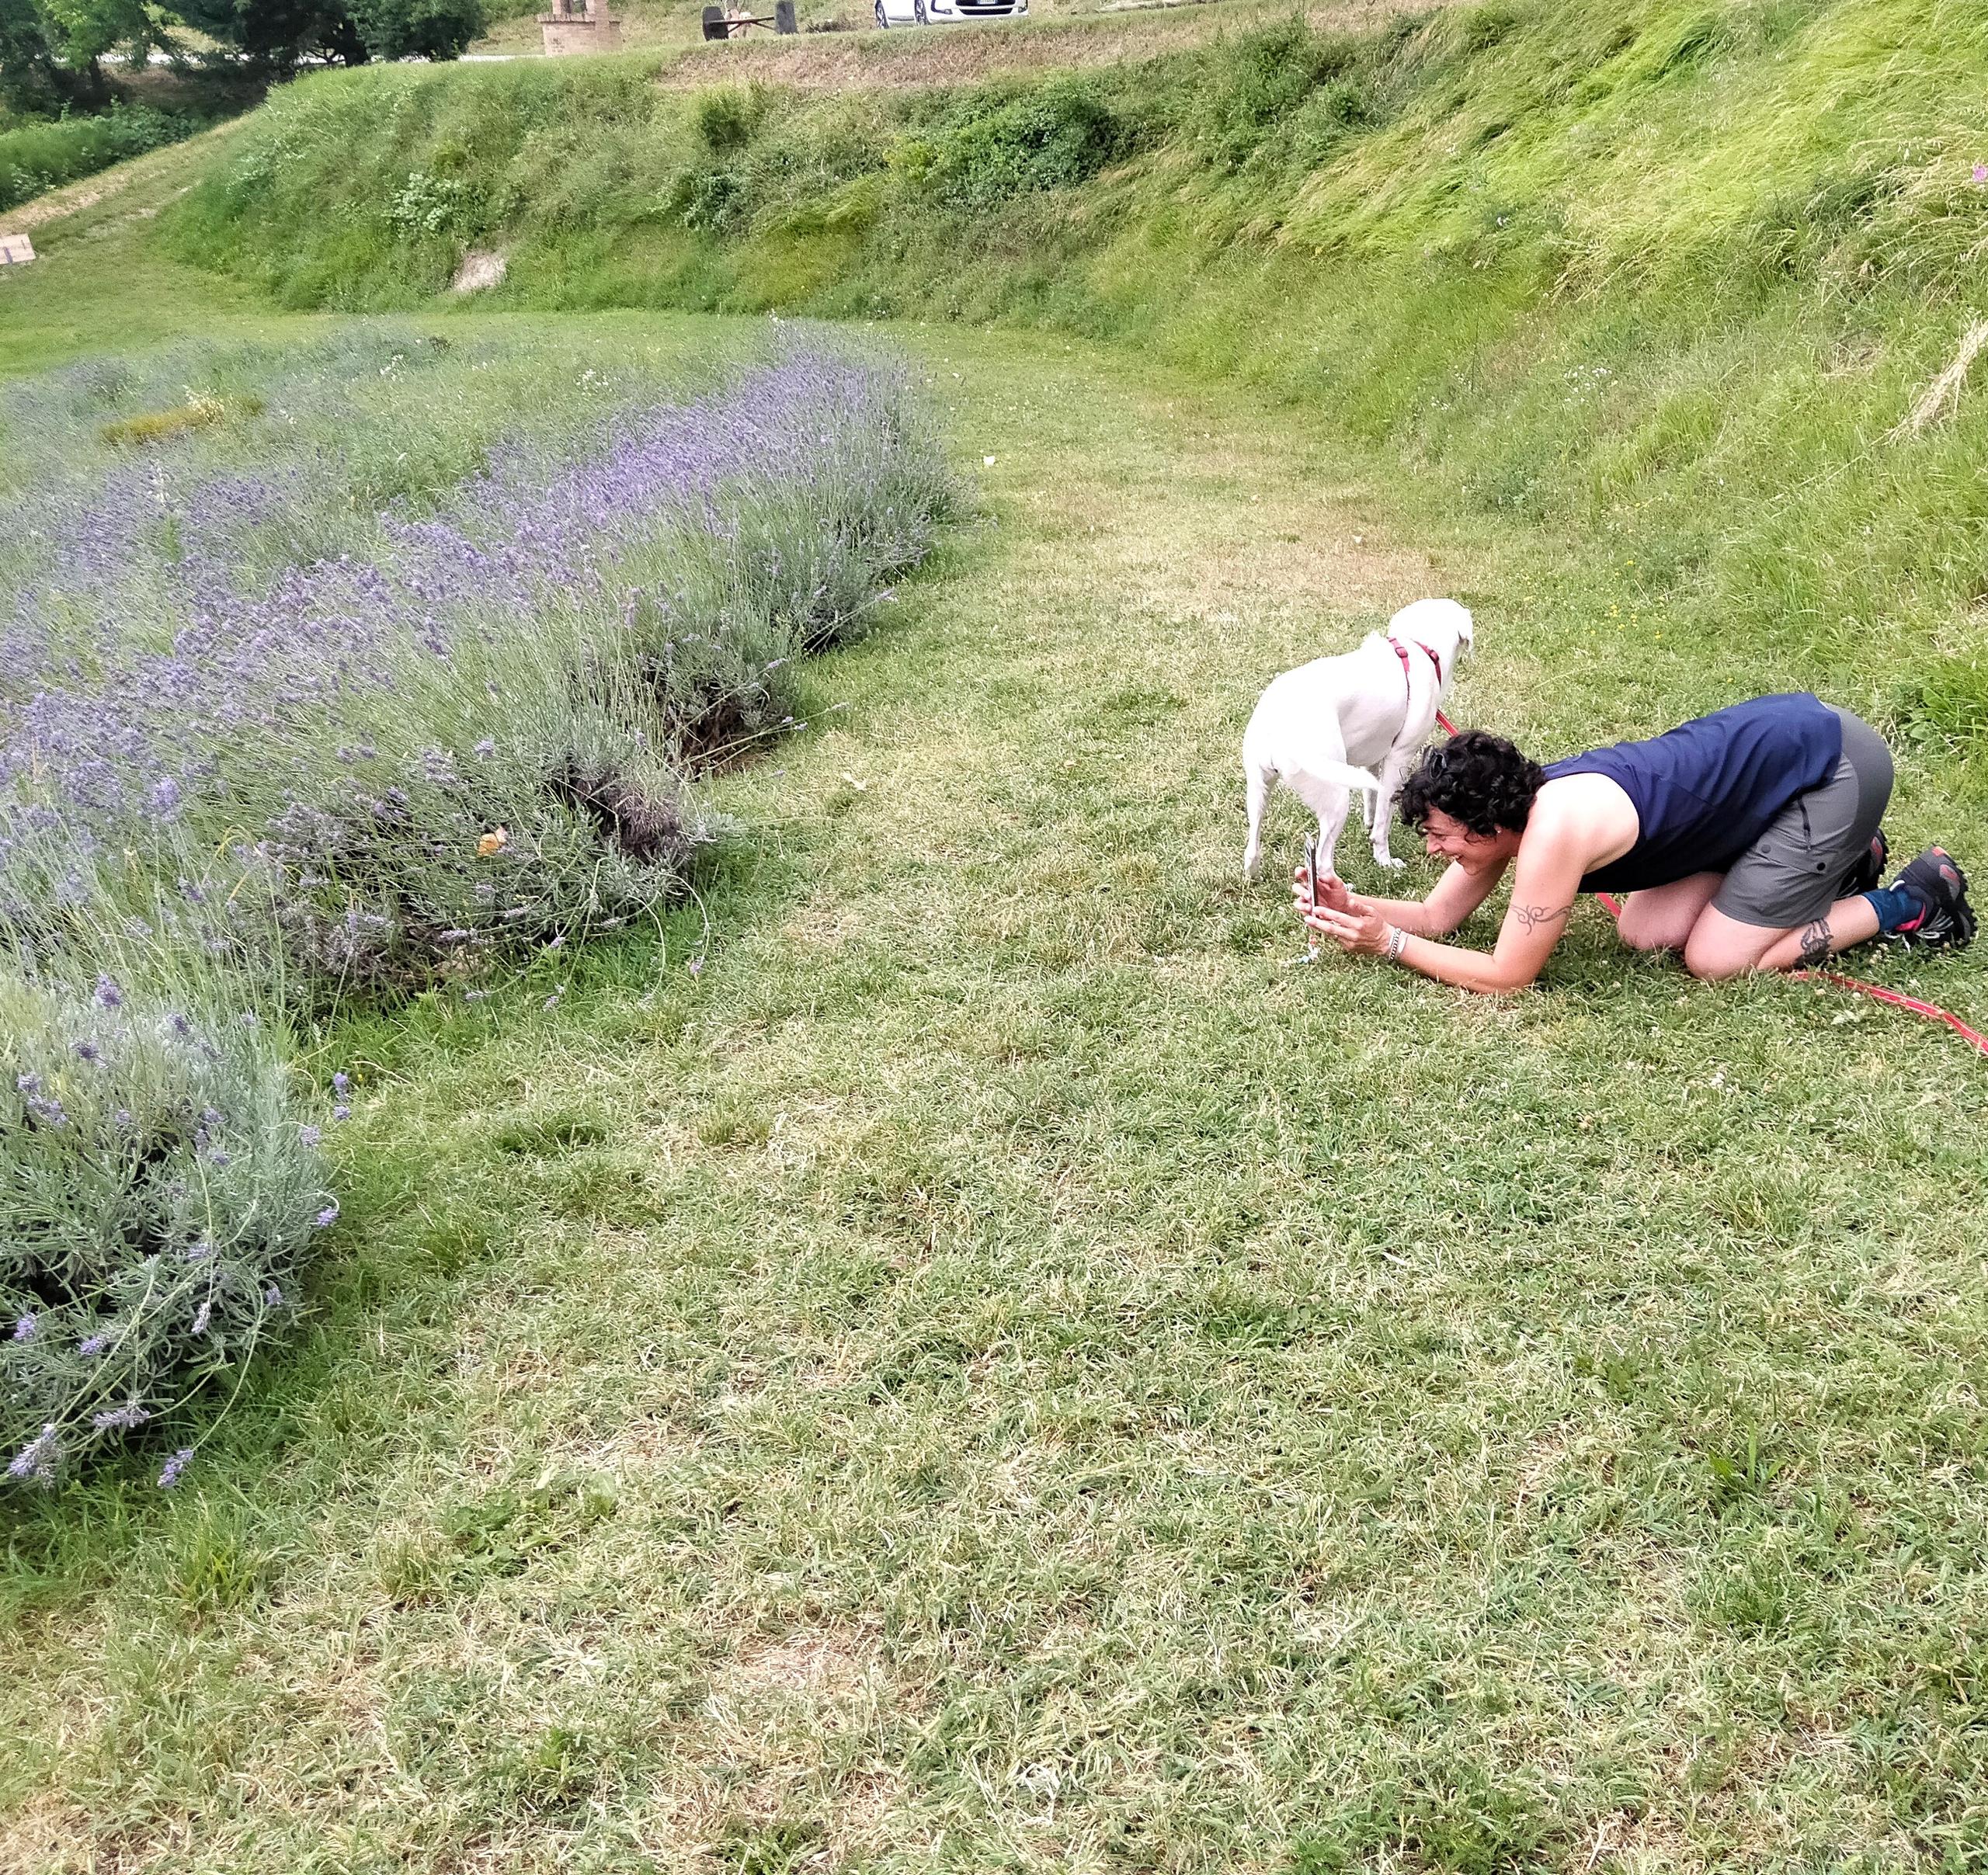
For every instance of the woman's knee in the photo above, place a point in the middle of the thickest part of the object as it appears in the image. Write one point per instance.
(1713, 956)
(1647, 933)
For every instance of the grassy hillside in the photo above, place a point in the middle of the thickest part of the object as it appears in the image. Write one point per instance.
(1673, 272)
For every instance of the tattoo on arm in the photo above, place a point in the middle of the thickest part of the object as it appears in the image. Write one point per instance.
(1815, 943)
(1531, 917)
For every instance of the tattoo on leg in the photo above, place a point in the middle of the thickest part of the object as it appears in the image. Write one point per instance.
(1530, 917)
(1815, 943)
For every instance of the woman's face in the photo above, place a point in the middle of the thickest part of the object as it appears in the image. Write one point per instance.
(1445, 838)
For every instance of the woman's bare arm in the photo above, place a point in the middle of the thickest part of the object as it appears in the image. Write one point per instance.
(1547, 877)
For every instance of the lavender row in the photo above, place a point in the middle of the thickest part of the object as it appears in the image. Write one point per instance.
(474, 734)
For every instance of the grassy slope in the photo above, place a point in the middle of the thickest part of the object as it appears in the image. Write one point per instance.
(999, 1370)
(1665, 272)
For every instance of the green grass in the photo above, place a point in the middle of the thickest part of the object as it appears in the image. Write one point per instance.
(37, 157)
(999, 1369)
(1669, 273)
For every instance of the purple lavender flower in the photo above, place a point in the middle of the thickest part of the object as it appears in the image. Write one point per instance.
(34, 1459)
(202, 1316)
(327, 1217)
(109, 995)
(169, 1475)
(273, 1296)
(87, 1051)
(24, 1329)
(93, 1345)
(121, 1418)
(341, 1114)
(486, 746)
(164, 796)
(340, 1082)
(30, 1085)
(310, 1136)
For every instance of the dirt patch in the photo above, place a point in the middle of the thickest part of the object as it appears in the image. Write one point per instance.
(965, 55)
(479, 271)
(816, 1663)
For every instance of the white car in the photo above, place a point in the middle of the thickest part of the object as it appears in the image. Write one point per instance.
(942, 13)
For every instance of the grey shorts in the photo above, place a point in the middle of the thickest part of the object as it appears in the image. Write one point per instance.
(1792, 873)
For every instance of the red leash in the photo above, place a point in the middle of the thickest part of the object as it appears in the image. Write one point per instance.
(1931, 1011)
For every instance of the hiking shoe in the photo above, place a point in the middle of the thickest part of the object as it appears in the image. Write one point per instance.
(1868, 873)
(1947, 923)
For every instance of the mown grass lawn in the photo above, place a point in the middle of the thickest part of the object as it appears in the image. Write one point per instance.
(961, 1355)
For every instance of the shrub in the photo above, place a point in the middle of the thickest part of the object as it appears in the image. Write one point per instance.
(418, 29)
(726, 116)
(38, 157)
(1053, 136)
(412, 745)
(1265, 79)
(157, 1193)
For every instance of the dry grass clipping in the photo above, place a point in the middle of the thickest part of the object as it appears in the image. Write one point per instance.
(1941, 397)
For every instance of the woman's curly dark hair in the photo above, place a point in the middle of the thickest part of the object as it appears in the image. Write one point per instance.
(1475, 778)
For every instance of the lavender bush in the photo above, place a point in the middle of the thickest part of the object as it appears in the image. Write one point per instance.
(287, 711)
(464, 734)
(157, 1193)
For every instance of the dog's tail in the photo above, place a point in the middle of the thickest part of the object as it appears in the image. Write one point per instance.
(1344, 774)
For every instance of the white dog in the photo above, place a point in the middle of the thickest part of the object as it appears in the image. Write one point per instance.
(1356, 722)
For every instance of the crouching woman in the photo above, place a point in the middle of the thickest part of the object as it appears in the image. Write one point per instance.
(1748, 839)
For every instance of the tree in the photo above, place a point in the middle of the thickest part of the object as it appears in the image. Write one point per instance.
(50, 51)
(281, 33)
(30, 80)
(418, 29)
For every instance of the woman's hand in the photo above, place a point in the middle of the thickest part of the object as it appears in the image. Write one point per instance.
(1332, 892)
(1354, 923)
(1357, 927)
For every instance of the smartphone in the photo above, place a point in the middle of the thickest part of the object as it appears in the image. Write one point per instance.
(1312, 872)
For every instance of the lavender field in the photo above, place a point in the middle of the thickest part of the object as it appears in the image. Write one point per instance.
(377, 667)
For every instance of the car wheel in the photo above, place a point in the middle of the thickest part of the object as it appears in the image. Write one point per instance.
(883, 18)
(918, 13)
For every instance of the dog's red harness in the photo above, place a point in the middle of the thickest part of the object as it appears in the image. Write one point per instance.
(1401, 651)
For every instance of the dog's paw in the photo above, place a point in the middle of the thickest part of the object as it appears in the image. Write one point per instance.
(1388, 863)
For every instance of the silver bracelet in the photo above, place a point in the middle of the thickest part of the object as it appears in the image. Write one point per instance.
(1397, 943)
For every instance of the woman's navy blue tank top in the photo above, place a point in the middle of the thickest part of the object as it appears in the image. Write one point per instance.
(1704, 791)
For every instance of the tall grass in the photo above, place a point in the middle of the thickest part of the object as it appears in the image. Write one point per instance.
(1668, 271)
(35, 157)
